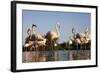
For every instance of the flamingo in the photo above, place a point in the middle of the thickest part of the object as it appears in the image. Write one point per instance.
(28, 44)
(52, 37)
(28, 40)
(76, 40)
(39, 41)
(34, 38)
(35, 41)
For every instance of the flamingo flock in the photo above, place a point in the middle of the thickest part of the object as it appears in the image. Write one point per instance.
(79, 41)
(36, 40)
(80, 38)
(51, 38)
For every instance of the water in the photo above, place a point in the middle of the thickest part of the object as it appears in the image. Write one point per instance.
(61, 55)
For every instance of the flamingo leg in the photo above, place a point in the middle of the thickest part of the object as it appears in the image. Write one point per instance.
(43, 54)
(70, 57)
(77, 50)
(35, 54)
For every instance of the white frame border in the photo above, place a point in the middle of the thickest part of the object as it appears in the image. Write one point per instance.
(21, 66)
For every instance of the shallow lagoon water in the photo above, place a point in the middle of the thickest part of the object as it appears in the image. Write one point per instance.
(60, 55)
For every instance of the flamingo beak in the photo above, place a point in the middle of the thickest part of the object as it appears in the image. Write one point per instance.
(33, 25)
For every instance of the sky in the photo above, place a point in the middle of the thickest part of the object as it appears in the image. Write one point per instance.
(46, 21)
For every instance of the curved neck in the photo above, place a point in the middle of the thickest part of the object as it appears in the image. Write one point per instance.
(33, 31)
(57, 29)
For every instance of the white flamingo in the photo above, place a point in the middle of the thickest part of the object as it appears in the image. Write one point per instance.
(39, 41)
(53, 36)
(36, 38)
(28, 41)
(36, 41)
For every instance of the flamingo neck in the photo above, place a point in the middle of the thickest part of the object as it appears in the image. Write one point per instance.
(33, 31)
(57, 29)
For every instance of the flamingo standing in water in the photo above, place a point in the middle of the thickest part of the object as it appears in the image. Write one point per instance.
(81, 38)
(39, 41)
(52, 37)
